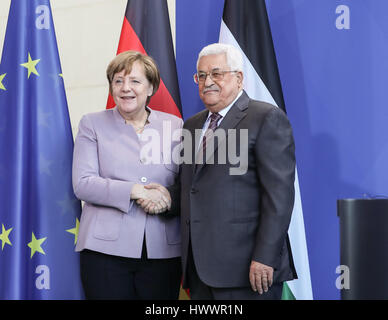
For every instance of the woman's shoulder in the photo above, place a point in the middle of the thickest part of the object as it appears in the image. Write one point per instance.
(95, 120)
(164, 116)
(98, 116)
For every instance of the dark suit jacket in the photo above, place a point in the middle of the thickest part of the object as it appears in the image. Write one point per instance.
(233, 219)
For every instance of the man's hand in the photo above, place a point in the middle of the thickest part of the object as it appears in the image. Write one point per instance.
(156, 199)
(260, 277)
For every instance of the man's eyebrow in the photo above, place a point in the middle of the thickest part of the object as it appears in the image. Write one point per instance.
(214, 69)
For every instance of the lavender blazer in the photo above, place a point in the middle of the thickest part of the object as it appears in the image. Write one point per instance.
(106, 164)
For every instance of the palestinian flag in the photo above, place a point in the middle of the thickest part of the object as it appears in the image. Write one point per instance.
(245, 25)
(146, 28)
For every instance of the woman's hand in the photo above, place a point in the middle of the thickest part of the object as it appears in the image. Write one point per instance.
(154, 198)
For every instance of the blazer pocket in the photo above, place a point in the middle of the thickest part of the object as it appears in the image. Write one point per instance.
(173, 230)
(107, 225)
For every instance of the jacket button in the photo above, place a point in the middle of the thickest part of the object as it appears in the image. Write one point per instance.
(193, 190)
(188, 221)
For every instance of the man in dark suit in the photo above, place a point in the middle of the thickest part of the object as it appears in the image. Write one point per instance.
(235, 216)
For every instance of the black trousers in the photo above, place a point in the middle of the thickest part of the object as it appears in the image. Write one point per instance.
(110, 277)
(201, 291)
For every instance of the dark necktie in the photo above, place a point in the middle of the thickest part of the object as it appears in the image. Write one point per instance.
(212, 126)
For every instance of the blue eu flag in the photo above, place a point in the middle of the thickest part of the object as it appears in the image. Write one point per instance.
(38, 210)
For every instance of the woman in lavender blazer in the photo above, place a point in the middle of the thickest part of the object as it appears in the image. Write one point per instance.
(128, 251)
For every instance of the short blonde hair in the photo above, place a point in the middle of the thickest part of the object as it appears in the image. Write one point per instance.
(125, 61)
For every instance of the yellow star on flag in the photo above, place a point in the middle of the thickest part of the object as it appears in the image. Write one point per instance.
(1, 79)
(30, 65)
(35, 245)
(74, 230)
(4, 236)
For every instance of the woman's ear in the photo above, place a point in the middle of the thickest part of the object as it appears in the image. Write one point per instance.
(150, 90)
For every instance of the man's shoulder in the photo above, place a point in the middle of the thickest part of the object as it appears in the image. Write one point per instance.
(254, 106)
(196, 118)
(262, 108)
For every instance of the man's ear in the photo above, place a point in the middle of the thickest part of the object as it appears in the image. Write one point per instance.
(240, 78)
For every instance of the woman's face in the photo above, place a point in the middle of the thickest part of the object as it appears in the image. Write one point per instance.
(130, 92)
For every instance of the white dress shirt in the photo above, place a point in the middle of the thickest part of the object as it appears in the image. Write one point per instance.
(222, 112)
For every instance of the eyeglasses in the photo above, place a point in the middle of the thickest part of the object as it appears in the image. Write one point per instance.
(215, 75)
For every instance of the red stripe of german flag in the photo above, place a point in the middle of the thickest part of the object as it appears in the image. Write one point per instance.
(146, 28)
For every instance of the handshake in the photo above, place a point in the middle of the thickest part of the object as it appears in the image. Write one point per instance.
(153, 198)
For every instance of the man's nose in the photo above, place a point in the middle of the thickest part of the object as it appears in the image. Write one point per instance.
(208, 81)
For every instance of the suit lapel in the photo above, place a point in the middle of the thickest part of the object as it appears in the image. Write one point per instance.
(197, 125)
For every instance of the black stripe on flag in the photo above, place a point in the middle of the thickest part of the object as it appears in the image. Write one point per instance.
(150, 21)
(248, 22)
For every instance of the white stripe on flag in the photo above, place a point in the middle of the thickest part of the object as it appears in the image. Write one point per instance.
(256, 89)
(301, 287)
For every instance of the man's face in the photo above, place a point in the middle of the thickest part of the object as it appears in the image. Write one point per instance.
(216, 95)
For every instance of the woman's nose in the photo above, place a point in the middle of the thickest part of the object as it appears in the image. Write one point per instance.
(126, 85)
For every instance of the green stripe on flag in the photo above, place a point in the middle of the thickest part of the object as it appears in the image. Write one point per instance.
(287, 293)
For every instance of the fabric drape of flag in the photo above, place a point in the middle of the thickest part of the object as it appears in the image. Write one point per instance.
(245, 25)
(38, 210)
(146, 28)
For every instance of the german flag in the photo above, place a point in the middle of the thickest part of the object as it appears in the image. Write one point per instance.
(146, 28)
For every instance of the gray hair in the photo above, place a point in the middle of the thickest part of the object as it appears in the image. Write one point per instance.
(234, 57)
